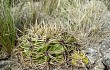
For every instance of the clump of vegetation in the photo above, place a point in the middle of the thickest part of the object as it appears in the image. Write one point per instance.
(79, 59)
(51, 50)
(7, 27)
(48, 34)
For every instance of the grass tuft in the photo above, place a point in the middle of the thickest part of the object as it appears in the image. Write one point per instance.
(7, 27)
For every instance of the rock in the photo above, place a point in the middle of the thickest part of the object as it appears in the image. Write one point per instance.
(105, 42)
(91, 54)
(99, 65)
(106, 59)
(5, 65)
(97, 47)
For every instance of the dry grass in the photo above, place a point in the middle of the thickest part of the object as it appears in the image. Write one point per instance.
(75, 17)
(51, 18)
(80, 19)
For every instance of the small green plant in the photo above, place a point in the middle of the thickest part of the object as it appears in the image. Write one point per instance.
(47, 50)
(79, 59)
(42, 51)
